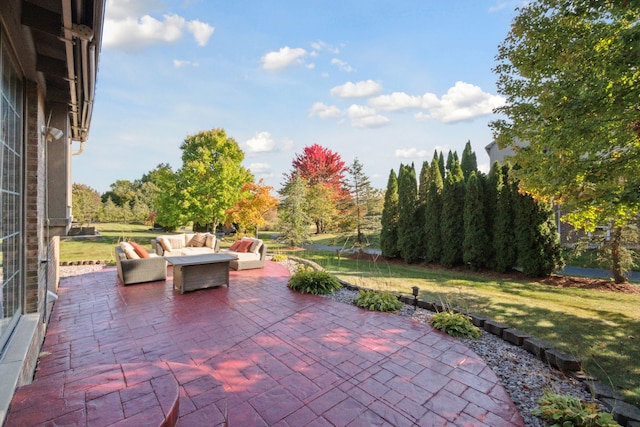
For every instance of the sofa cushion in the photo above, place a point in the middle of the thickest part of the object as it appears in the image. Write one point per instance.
(245, 256)
(129, 251)
(177, 241)
(197, 241)
(193, 251)
(142, 252)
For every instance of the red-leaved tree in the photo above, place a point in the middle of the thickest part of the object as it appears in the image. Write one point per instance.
(321, 167)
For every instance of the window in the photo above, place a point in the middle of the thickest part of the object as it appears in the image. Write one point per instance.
(11, 157)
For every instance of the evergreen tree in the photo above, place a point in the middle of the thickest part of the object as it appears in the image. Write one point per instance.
(539, 251)
(476, 238)
(360, 190)
(408, 232)
(452, 222)
(389, 220)
(423, 189)
(504, 244)
(443, 170)
(468, 163)
(492, 189)
(432, 214)
(294, 221)
(449, 161)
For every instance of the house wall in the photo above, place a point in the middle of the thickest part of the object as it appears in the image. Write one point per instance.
(18, 358)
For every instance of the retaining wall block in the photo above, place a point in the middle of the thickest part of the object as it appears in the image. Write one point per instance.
(478, 320)
(515, 336)
(537, 348)
(427, 305)
(623, 412)
(562, 361)
(496, 328)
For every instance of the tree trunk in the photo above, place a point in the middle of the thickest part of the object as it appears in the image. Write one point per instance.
(616, 264)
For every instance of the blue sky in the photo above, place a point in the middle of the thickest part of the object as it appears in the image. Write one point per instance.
(383, 81)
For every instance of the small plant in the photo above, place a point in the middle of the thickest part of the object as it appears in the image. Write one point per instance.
(566, 411)
(279, 258)
(455, 324)
(309, 281)
(378, 301)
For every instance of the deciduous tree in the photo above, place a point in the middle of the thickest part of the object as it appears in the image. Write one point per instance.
(86, 203)
(569, 71)
(254, 204)
(211, 178)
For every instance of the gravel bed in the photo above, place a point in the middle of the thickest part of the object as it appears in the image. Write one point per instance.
(524, 377)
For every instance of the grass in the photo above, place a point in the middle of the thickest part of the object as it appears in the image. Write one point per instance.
(601, 328)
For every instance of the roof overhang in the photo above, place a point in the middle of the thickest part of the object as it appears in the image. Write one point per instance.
(67, 35)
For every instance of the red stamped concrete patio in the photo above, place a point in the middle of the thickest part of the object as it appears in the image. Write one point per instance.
(253, 354)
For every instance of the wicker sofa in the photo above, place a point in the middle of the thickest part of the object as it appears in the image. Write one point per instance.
(185, 244)
(254, 257)
(140, 270)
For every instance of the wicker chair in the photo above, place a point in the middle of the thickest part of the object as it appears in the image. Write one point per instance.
(132, 271)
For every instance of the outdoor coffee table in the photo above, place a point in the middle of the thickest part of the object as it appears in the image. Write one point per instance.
(200, 271)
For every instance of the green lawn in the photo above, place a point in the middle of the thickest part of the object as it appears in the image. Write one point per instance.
(601, 328)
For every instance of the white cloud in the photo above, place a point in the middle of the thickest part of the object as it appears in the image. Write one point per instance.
(284, 58)
(365, 117)
(129, 26)
(463, 101)
(396, 101)
(261, 142)
(260, 168)
(320, 45)
(324, 111)
(178, 63)
(357, 90)
(411, 153)
(201, 31)
(342, 65)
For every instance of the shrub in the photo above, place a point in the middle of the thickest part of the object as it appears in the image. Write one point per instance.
(563, 411)
(309, 281)
(279, 258)
(378, 301)
(455, 324)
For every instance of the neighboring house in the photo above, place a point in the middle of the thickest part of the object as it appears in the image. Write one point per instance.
(48, 63)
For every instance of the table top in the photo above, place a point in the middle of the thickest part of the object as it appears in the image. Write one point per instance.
(199, 259)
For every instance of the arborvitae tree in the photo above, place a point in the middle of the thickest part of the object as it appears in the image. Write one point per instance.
(452, 223)
(539, 251)
(504, 244)
(449, 161)
(408, 232)
(476, 238)
(389, 220)
(441, 165)
(292, 211)
(423, 188)
(492, 189)
(468, 163)
(433, 214)
(360, 190)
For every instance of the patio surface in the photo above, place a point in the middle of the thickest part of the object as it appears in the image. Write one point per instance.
(253, 354)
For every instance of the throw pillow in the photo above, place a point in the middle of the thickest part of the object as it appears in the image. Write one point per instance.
(210, 241)
(197, 241)
(164, 242)
(142, 252)
(244, 246)
(235, 245)
(129, 251)
(177, 241)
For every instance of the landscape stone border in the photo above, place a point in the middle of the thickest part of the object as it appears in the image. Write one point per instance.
(624, 413)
